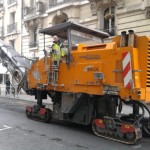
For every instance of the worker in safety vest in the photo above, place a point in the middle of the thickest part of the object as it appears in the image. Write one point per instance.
(56, 52)
(64, 50)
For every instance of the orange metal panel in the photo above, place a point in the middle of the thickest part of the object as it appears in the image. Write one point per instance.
(84, 73)
(147, 94)
(105, 58)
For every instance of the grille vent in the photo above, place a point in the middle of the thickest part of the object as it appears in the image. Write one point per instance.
(148, 65)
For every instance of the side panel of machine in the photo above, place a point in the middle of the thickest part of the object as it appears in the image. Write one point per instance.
(38, 75)
(96, 71)
(73, 107)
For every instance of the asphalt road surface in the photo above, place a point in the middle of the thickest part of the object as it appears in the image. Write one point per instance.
(19, 133)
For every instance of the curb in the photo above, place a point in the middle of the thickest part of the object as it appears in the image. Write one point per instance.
(50, 103)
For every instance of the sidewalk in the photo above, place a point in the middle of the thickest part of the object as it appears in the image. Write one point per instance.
(24, 96)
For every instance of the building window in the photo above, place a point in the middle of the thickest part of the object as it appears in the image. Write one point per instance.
(109, 20)
(1, 22)
(12, 17)
(1, 3)
(35, 35)
(12, 43)
(32, 3)
(32, 9)
(1, 78)
(1, 27)
(12, 25)
(11, 2)
(6, 76)
(34, 38)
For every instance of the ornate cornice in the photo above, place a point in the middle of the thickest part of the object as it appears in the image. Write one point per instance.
(96, 4)
(38, 22)
(104, 3)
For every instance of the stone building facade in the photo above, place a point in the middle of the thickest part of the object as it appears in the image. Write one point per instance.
(112, 16)
(10, 22)
(122, 15)
(41, 14)
(10, 28)
(20, 20)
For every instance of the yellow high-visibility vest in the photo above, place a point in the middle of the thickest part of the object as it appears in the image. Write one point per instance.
(63, 53)
(56, 55)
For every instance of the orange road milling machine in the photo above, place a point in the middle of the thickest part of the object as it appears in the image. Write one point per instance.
(92, 83)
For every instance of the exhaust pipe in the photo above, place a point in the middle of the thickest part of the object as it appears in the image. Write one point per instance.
(123, 39)
(131, 38)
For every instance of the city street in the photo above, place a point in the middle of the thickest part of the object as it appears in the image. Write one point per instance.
(17, 132)
(86, 60)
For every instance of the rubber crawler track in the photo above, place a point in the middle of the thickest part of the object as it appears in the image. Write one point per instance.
(117, 140)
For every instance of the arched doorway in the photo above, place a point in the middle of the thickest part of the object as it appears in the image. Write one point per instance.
(59, 19)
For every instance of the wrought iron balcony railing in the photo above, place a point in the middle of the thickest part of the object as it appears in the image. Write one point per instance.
(1, 31)
(30, 11)
(53, 3)
(12, 28)
(9, 2)
(33, 44)
(34, 10)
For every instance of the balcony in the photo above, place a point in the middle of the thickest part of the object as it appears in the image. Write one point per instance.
(54, 3)
(10, 2)
(1, 31)
(33, 44)
(12, 28)
(31, 12)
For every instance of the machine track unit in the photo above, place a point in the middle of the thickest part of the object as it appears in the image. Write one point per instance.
(116, 130)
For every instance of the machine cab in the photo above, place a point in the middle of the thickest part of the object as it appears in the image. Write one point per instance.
(72, 34)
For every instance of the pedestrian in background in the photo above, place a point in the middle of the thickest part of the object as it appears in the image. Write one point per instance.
(8, 84)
